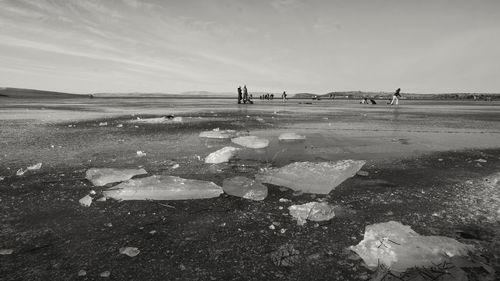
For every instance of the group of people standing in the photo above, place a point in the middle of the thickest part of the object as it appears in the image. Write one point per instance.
(271, 96)
(243, 95)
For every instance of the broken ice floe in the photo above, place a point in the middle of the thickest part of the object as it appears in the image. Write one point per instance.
(21, 171)
(251, 142)
(37, 166)
(320, 178)
(129, 251)
(158, 120)
(4, 252)
(398, 247)
(220, 134)
(291, 137)
(103, 176)
(312, 211)
(163, 188)
(222, 155)
(245, 188)
(86, 201)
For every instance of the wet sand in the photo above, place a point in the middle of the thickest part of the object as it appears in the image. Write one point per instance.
(421, 159)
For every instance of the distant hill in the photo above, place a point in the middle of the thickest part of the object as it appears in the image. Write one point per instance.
(18, 93)
(304, 96)
(206, 94)
(130, 95)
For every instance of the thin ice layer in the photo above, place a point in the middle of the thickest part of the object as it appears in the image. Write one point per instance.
(158, 120)
(251, 142)
(103, 176)
(398, 247)
(163, 188)
(245, 188)
(320, 178)
(291, 136)
(219, 134)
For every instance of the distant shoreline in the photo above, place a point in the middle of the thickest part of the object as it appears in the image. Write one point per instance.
(17, 93)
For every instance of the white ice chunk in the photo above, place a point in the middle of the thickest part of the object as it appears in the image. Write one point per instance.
(398, 247)
(313, 211)
(37, 166)
(103, 176)
(251, 142)
(4, 252)
(163, 188)
(320, 178)
(86, 201)
(222, 155)
(21, 172)
(218, 134)
(291, 136)
(245, 188)
(129, 251)
(140, 153)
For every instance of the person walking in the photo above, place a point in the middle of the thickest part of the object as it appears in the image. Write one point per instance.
(396, 96)
(239, 94)
(245, 94)
(283, 96)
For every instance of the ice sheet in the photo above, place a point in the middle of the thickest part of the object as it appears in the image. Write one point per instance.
(163, 188)
(311, 177)
(398, 247)
(103, 176)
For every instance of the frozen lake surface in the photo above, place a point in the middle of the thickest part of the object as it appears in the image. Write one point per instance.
(430, 165)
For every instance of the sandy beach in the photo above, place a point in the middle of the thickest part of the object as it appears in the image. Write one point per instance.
(426, 165)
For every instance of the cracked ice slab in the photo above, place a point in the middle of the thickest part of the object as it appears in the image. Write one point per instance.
(245, 188)
(222, 155)
(309, 177)
(163, 188)
(399, 247)
(312, 211)
(103, 176)
(251, 142)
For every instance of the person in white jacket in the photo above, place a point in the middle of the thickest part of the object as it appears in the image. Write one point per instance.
(395, 97)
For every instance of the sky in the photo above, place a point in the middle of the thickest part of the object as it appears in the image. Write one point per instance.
(318, 46)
